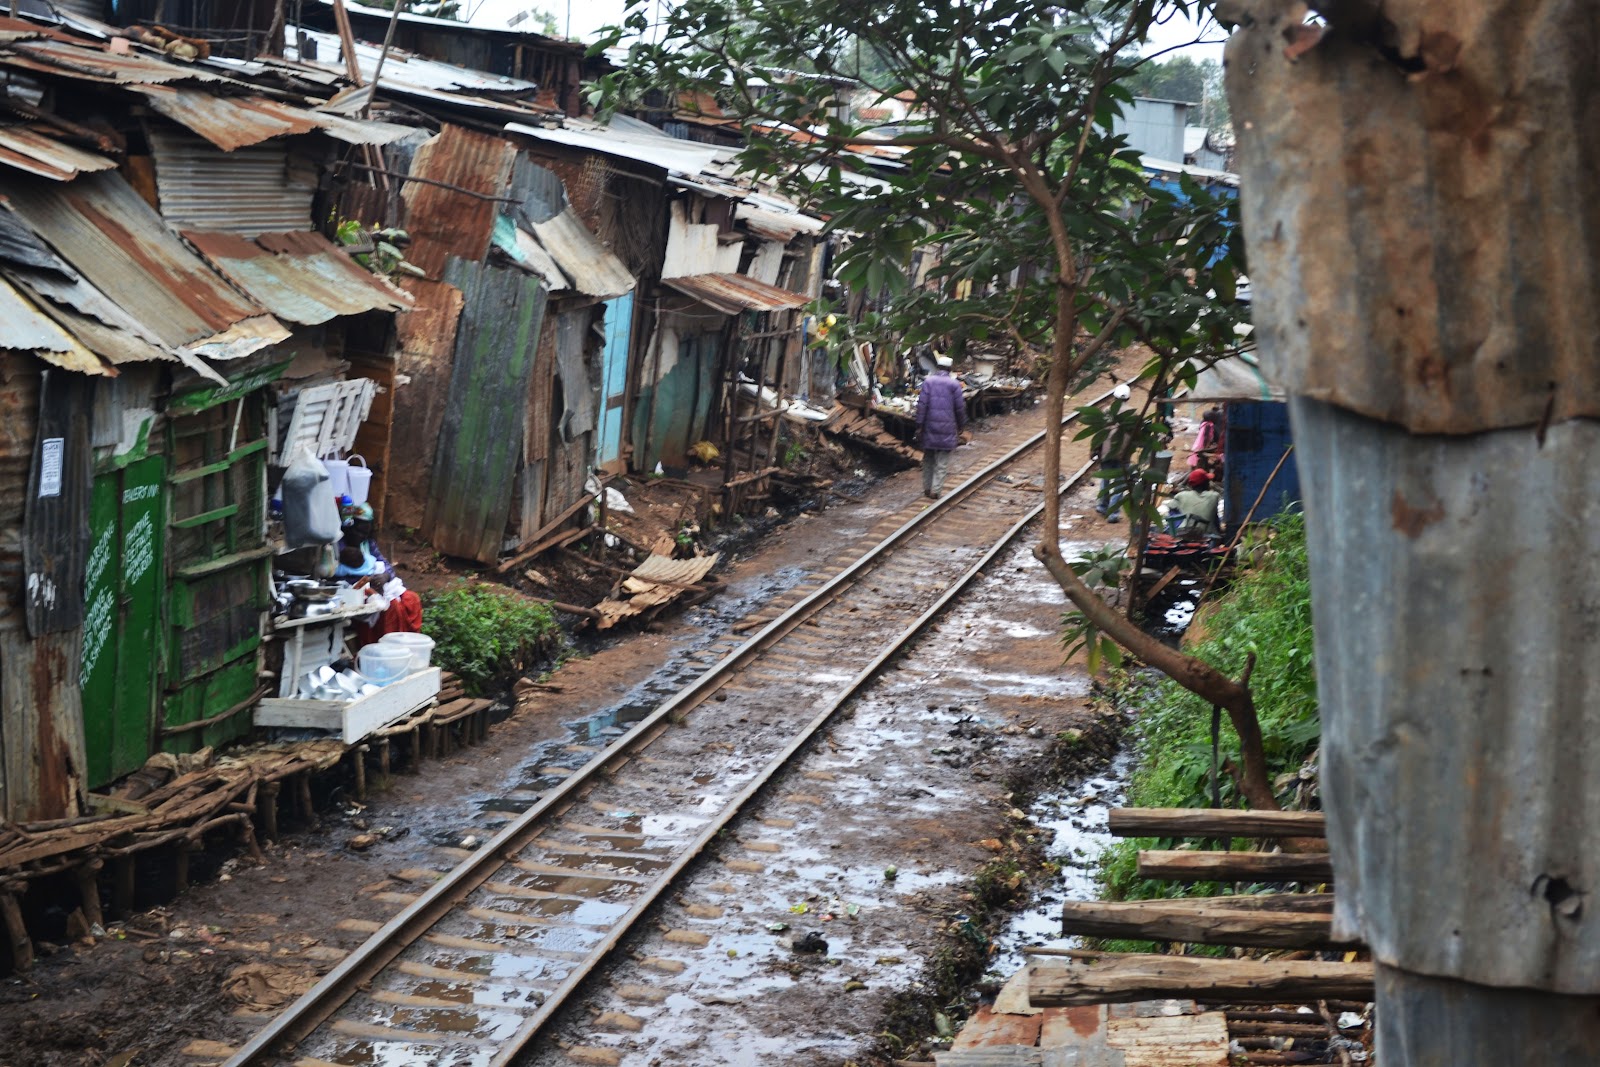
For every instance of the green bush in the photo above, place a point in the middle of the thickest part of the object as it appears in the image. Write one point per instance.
(486, 634)
(1268, 612)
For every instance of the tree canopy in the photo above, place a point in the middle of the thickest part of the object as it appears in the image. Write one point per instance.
(1013, 179)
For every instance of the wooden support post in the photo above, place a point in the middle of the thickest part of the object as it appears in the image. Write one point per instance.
(16, 929)
(412, 765)
(1181, 866)
(122, 886)
(308, 811)
(87, 875)
(267, 809)
(383, 759)
(247, 838)
(180, 865)
(1214, 822)
(358, 758)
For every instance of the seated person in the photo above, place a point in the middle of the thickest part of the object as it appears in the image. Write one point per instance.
(1194, 510)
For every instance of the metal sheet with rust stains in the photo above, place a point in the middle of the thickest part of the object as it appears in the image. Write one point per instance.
(117, 241)
(446, 220)
(299, 277)
(30, 149)
(733, 293)
(261, 188)
(91, 61)
(1424, 238)
(231, 122)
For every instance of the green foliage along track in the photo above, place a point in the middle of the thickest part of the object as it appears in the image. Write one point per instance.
(1267, 612)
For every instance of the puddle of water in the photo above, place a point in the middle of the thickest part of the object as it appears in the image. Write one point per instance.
(1076, 822)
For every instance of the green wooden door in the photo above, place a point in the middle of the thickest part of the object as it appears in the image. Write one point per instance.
(122, 598)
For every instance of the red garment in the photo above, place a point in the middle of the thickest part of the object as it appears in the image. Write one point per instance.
(404, 616)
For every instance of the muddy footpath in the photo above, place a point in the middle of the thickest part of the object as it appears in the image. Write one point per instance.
(884, 880)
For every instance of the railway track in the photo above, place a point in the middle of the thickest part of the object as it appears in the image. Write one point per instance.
(472, 970)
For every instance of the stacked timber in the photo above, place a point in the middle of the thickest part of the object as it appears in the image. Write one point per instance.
(1279, 1010)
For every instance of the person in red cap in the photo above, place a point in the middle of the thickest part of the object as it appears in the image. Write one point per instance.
(1196, 507)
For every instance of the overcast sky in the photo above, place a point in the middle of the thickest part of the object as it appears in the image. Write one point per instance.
(582, 19)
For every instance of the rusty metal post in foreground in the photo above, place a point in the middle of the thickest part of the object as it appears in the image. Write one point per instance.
(1424, 239)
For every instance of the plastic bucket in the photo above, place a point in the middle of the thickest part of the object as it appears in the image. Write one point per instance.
(419, 645)
(338, 476)
(360, 479)
(382, 664)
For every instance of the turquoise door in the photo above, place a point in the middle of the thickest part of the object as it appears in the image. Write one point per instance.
(614, 379)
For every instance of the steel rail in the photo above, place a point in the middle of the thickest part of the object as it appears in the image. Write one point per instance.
(317, 1004)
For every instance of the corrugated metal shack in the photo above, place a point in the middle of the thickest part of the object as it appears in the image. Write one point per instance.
(159, 279)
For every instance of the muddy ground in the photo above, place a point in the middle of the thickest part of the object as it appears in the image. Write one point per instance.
(922, 775)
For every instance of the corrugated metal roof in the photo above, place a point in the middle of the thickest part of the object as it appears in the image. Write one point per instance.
(92, 62)
(25, 328)
(733, 293)
(629, 141)
(257, 189)
(300, 277)
(28, 148)
(778, 226)
(429, 80)
(236, 122)
(113, 238)
(590, 267)
(523, 247)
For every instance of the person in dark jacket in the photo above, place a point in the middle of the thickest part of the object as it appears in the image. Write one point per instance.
(941, 416)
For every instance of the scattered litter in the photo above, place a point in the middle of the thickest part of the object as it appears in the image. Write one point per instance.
(470, 841)
(812, 942)
(1351, 1020)
(262, 987)
(361, 842)
(800, 908)
(777, 928)
(888, 961)
(890, 873)
(853, 984)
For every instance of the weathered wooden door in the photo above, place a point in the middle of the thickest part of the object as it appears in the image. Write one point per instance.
(122, 607)
(614, 381)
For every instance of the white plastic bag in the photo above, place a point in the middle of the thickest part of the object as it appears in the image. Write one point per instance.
(310, 512)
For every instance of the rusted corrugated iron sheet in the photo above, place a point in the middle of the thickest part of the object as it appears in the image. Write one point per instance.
(92, 62)
(41, 715)
(444, 222)
(427, 338)
(299, 277)
(231, 122)
(55, 525)
(29, 149)
(589, 266)
(733, 293)
(1428, 245)
(263, 188)
(109, 234)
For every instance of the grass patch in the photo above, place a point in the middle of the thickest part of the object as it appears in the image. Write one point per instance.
(487, 634)
(1267, 612)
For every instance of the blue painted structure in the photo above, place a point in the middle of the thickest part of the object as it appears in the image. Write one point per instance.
(614, 380)
(1257, 437)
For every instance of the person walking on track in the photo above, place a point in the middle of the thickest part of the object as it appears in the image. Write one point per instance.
(941, 416)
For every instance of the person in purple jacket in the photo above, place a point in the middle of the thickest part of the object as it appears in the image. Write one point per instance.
(941, 416)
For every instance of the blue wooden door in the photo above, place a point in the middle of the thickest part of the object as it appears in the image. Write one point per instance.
(614, 380)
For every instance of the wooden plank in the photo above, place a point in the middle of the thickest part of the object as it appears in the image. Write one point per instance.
(556, 870)
(1159, 920)
(986, 1028)
(1179, 866)
(1114, 978)
(1214, 822)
